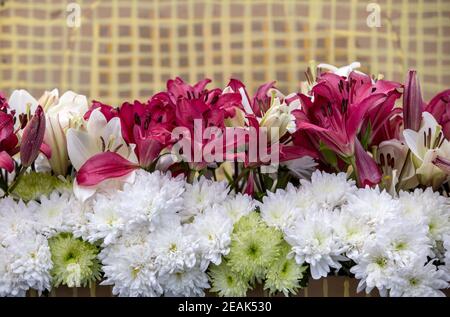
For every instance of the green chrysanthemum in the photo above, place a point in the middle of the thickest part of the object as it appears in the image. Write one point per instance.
(75, 261)
(284, 274)
(249, 222)
(254, 247)
(33, 185)
(226, 282)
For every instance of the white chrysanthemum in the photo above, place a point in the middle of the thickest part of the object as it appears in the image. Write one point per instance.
(25, 264)
(446, 253)
(186, 283)
(16, 219)
(51, 213)
(76, 219)
(10, 283)
(427, 207)
(213, 231)
(150, 198)
(329, 190)
(238, 206)
(372, 205)
(374, 269)
(174, 248)
(278, 209)
(404, 241)
(303, 200)
(138, 236)
(104, 222)
(301, 167)
(32, 261)
(419, 280)
(313, 241)
(129, 265)
(202, 194)
(352, 232)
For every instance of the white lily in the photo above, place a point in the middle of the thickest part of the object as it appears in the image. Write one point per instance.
(426, 145)
(21, 101)
(95, 136)
(61, 115)
(279, 115)
(341, 71)
(391, 157)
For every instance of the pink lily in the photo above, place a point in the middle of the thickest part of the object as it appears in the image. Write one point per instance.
(338, 108)
(210, 108)
(439, 107)
(8, 139)
(3, 103)
(177, 88)
(261, 100)
(148, 126)
(382, 121)
(108, 111)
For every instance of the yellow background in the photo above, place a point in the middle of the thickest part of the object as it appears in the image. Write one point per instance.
(127, 49)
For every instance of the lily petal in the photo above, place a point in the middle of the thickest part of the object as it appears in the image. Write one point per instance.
(97, 123)
(79, 147)
(104, 166)
(20, 100)
(411, 138)
(46, 150)
(442, 163)
(6, 125)
(6, 162)
(367, 171)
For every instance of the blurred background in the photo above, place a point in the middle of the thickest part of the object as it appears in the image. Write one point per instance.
(127, 49)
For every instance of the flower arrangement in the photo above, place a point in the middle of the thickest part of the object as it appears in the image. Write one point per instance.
(202, 189)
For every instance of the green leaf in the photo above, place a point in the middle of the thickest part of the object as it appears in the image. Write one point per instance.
(329, 155)
(366, 136)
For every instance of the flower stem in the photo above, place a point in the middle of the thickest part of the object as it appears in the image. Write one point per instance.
(191, 176)
(17, 180)
(355, 171)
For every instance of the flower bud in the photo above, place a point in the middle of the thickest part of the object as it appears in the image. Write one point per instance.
(33, 136)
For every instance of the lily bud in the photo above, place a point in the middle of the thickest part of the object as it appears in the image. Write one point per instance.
(412, 102)
(33, 136)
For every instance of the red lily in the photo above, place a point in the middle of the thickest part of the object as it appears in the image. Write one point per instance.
(259, 105)
(338, 109)
(148, 125)
(8, 141)
(261, 100)
(208, 107)
(439, 107)
(382, 120)
(3, 103)
(108, 111)
(286, 152)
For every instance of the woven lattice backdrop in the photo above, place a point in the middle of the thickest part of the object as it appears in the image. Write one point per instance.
(127, 49)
